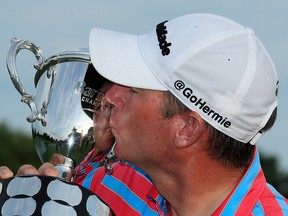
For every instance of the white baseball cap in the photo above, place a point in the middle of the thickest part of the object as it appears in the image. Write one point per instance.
(213, 65)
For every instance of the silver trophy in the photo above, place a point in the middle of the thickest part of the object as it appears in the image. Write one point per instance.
(61, 122)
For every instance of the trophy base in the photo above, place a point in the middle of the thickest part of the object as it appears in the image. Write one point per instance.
(44, 195)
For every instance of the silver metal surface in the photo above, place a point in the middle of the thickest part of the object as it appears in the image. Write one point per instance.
(59, 124)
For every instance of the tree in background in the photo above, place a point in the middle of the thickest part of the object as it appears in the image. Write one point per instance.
(274, 176)
(17, 148)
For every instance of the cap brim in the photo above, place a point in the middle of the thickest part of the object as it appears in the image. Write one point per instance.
(117, 57)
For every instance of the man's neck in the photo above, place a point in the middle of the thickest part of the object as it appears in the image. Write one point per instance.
(196, 190)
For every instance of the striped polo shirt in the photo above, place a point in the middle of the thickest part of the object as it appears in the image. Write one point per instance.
(129, 191)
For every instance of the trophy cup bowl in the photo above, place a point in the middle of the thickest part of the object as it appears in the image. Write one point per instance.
(59, 124)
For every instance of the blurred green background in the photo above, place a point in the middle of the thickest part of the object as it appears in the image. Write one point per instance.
(17, 149)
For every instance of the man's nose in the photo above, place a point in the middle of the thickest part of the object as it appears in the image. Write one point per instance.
(116, 95)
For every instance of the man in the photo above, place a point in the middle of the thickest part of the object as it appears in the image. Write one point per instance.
(126, 189)
(192, 98)
(196, 151)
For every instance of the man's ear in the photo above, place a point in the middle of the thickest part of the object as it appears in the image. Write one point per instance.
(189, 129)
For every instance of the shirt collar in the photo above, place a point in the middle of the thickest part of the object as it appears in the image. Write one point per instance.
(247, 192)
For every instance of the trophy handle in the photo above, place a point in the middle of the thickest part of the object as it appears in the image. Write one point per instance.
(15, 46)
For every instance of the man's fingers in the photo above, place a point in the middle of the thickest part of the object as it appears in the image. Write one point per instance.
(57, 159)
(27, 169)
(48, 169)
(5, 172)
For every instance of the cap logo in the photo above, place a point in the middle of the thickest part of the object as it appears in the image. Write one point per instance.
(277, 88)
(161, 31)
(201, 104)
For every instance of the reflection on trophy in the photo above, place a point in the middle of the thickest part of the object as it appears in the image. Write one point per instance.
(61, 125)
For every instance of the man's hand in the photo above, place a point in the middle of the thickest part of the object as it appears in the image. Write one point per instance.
(47, 169)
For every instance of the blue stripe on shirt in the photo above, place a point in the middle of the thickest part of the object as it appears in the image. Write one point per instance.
(123, 191)
(258, 209)
(88, 179)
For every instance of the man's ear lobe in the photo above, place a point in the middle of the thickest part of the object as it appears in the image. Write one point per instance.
(189, 130)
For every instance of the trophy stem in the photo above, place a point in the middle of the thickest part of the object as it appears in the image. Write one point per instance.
(65, 170)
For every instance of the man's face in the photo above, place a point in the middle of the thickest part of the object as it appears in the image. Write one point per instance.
(136, 122)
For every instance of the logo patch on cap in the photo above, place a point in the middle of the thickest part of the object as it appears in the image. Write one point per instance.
(201, 104)
(161, 31)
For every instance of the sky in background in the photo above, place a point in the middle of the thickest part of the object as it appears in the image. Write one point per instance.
(63, 25)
